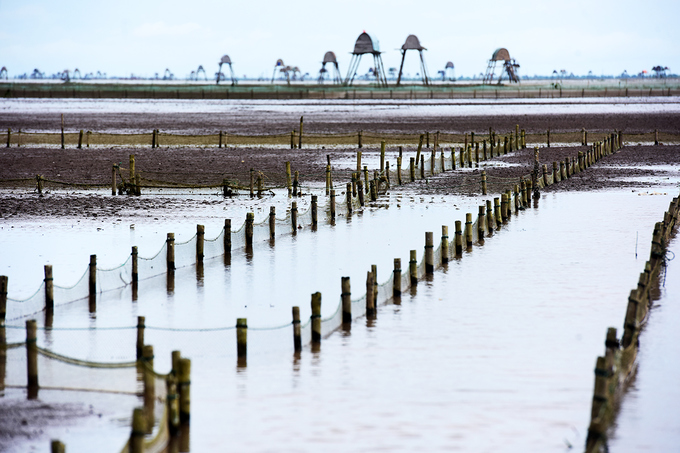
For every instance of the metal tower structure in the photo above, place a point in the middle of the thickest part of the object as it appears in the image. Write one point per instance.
(510, 67)
(329, 57)
(412, 43)
(449, 72)
(366, 45)
(225, 60)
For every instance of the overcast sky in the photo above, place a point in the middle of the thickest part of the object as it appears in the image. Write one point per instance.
(123, 37)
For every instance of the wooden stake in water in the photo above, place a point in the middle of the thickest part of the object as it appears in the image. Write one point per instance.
(459, 238)
(483, 182)
(250, 220)
(413, 268)
(490, 220)
(57, 447)
(80, 139)
(346, 297)
(370, 295)
(296, 184)
(9, 137)
(315, 203)
(297, 334)
(412, 169)
(293, 217)
(420, 147)
(93, 275)
(136, 442)
(399, 170)
(3, 298)
(359, 139)
(170, 252)
(227, 236)
(396, 279)
(140, 336)
(445, 244)
(242, 338)
(32, 353)
(272, 223)
(382, 156)
(49, 287)
(184, 387)
(316, 318)
(332, 204)
(200, 243)
(481, 223)
(468, 230)
(300, 139)
(288, 182)
(348, 197)
(172, 402)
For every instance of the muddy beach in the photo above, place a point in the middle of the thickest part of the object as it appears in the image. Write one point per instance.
(639, 166)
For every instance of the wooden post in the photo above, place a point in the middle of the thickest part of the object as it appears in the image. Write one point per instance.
(483, 182)
(468, 230)
(140, 336)
(399, 170)
(172, 402)
(170, 253)
(462, 158)
(556, 172)
(567, 166)
(484, 150)
(49, 288)
(272, 223)
(420, 147)
(477, 154)
(600, 397)
(346, 297)
(9, 137)
(508, 206)
(252, 184)
(250, 219)
(366, 183)
(548, 139)
(138, 184)
(453, 159)
(297, 191)
(466, 140)
(412, 170)
(93, 275)
(490, 220)
(497, 212)
(427, 138)
(149, 381)
(184, 387)
(113, 179)
(370, 294)
(57, 447)
(80, 139)
(32, 353)
(396, 278)
(360, 145)
(288, 183)
(481, 223)
(293, 217)
(200, 243)
(348, 194)
(259, 185)
(316, 318)
(300, 138)
(469, 156)
(472, 138)
(459, 238)
(153, 139)
(297, 334)
(445, 244)
(429, 253)
(241, 338)
(227, 236)
(314, 211)
(136, 442)
(504, 205)
(373, 191)
(545, 175)
(517, 137)
(292, 139)
(132, 168)
(359, 161)
(433, 161)
(332, 204)
(220, 140)
(382, 156)
(422, 167)
(3, 299)
(62, 131)
(328, 179)
(656, 137)
(523, 188)
(505, 145)
(413, 268)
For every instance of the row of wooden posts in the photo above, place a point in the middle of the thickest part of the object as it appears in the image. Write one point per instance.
(617, 365)
(177, 381)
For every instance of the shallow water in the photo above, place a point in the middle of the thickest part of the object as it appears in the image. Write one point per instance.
(496, 353)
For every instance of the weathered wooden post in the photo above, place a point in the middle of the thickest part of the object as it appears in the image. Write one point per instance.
(288, 179)
(366, 182)
(32, 353)
(296, 184)
(483, 182)
(316, 318)
(477, 154)
(504, 205)
(445, 244)
(172, 403)
(481, 223)
(412, 170)
(293, 217)
(132, 168)
(300, 138)
(80, 139)
(315, 203)
(170, 252)
(272, 223)
(656, 137)
(93, 275)
(505, 145)
(297, 331)
(517, 143)
(497, 212)
(346, 297)
(200, 243)
(508, 206)
(49, 288)
(241, 338)
(3, 299)
(462, 158)
(250, 220)
(420, 147)
(422, 167)
(429, 253)
(259, 185)
(140, 336)
(62, 131)
(9, 137)
(382, 156)
(600, 398)
(227, 236)
(328, 179)
(220, 140)
(348, 197)
(332, 205)
(427, 138)
(370, 294)
(359, 139)
(523, 188)
(399, 170)
(484, 150)
(292, 139)
(184, 387)
(413, 268)
(396, 278)
(453, 159)
(149, 381)
(468, 230)
(459, 238)
(57, 447)
(136, 442)
(490, 220)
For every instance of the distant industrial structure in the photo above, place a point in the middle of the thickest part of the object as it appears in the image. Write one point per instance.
(508, 67)
(366, 45)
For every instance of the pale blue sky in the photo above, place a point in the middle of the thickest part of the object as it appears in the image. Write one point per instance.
(144, 37)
